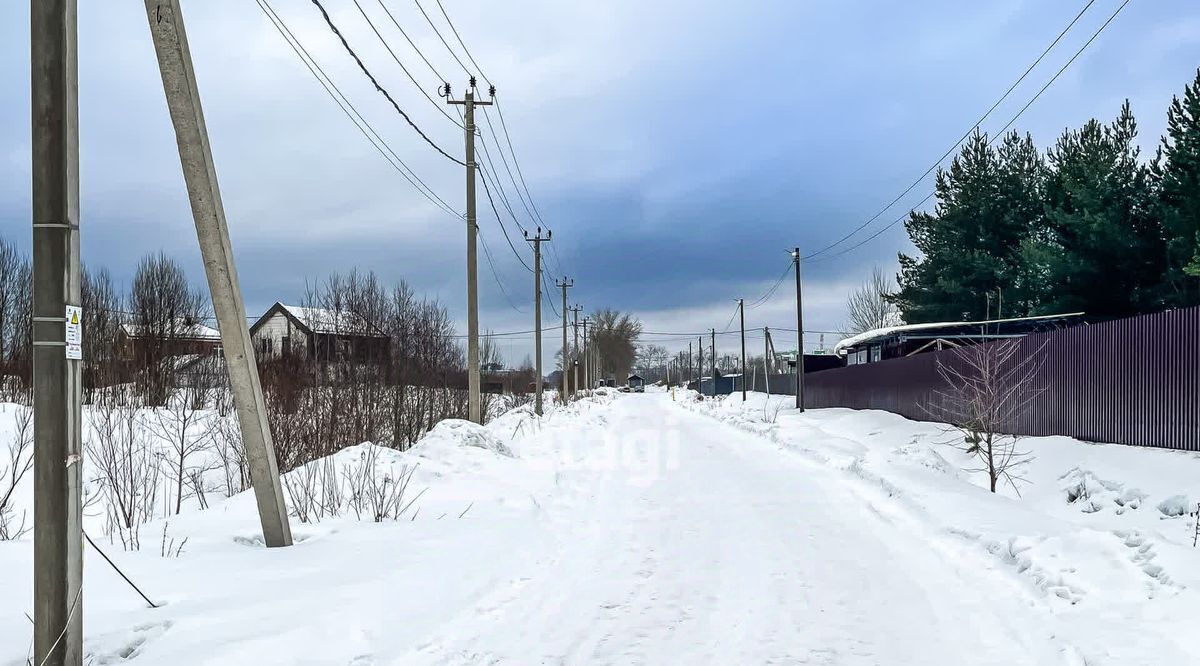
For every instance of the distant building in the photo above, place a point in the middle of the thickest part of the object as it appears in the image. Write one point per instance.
(186, 339)
(317, 334)
(908, 339)
(636, 383)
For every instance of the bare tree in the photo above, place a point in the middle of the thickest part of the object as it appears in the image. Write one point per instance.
(165, 314)
(988, 388)
(102, 319)
(613, 337)
(16, 320)
(180, 427)
(869, 307)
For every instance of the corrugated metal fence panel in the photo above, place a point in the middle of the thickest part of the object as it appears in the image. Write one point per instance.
(1131, 381)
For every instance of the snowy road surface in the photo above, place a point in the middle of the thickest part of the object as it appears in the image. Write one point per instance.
(734, 554)
(632, 529)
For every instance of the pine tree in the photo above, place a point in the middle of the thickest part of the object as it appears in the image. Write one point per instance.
(971, 244)
(1103, 246)
(1177, 174)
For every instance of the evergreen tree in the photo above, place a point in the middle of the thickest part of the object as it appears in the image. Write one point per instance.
(1177, 174)
(1102, 247)
(971, 245)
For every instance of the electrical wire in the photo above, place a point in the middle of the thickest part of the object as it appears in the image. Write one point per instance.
(441, 108)
(348, 108)
(998, 135)
(503, 227)
(411, 42)
(375, 82)
(966, 134)
(771, 292)
(439, 34)
(487, 253)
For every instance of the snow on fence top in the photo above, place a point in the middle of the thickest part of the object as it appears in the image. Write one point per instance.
(868, 336)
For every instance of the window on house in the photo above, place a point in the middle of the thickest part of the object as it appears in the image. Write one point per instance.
(265, 346)
(285, 344)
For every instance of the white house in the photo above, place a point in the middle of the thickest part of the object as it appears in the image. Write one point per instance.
(317, 333)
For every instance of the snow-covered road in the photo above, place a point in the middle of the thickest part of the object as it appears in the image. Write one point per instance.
(733, 552)
(636, 529)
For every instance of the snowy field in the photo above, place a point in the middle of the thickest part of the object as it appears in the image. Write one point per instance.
(642, 529)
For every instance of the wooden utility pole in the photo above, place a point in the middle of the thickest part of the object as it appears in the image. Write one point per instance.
(564, 284)
(537, 241)
(742, 314)
(689, 374)
(713, 360)
(212, 231)
(699, 364)
(799, 334)
(57, 375)
(575, 349)
(468, 102)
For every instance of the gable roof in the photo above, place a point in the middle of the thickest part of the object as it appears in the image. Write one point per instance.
(322, 321)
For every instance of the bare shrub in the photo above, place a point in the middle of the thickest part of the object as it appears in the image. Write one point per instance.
(17, 464)
(988, 388)
(378, 496)
(180, 427)
(126, 467)
(225, 438)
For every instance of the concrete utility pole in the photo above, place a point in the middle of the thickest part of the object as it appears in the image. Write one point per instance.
(57, 375)
(767, 358)
(689, 374)
(587, 366)
(742, 314)
(564, 284)
(799, 335)
(469, 103)
(575, 349)
(713, 360)
(537, 241)
(200, 174)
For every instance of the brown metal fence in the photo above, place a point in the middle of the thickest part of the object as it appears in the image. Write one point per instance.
(1130, 381)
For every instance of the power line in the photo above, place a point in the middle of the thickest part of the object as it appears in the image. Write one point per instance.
(966, 134)
(411, 42)
(440, 107)
(771, 292)
(460, 42)
(998, 135)
(439, 34)
(503, 227)
(348, 108)
(380, 88)
(487, 253)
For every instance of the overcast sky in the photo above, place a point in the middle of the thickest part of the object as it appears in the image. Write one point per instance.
(675, 148)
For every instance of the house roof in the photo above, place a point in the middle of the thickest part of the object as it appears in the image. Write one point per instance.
(184, 331)
(323, 321)
(880, 333)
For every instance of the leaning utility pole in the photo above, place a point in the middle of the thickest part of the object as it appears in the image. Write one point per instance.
(713, 360)
(564, 284)
(799, 335)
(469, 103)
(537, 241)
(212, 231)
(57, 375)
(742, 314)
(575, 350)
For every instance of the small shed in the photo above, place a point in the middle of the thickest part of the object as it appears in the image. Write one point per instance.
(636, 383)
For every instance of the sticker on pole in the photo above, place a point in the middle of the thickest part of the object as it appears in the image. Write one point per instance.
(74, 335)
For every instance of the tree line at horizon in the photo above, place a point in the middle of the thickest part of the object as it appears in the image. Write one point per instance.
(1087, 226)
